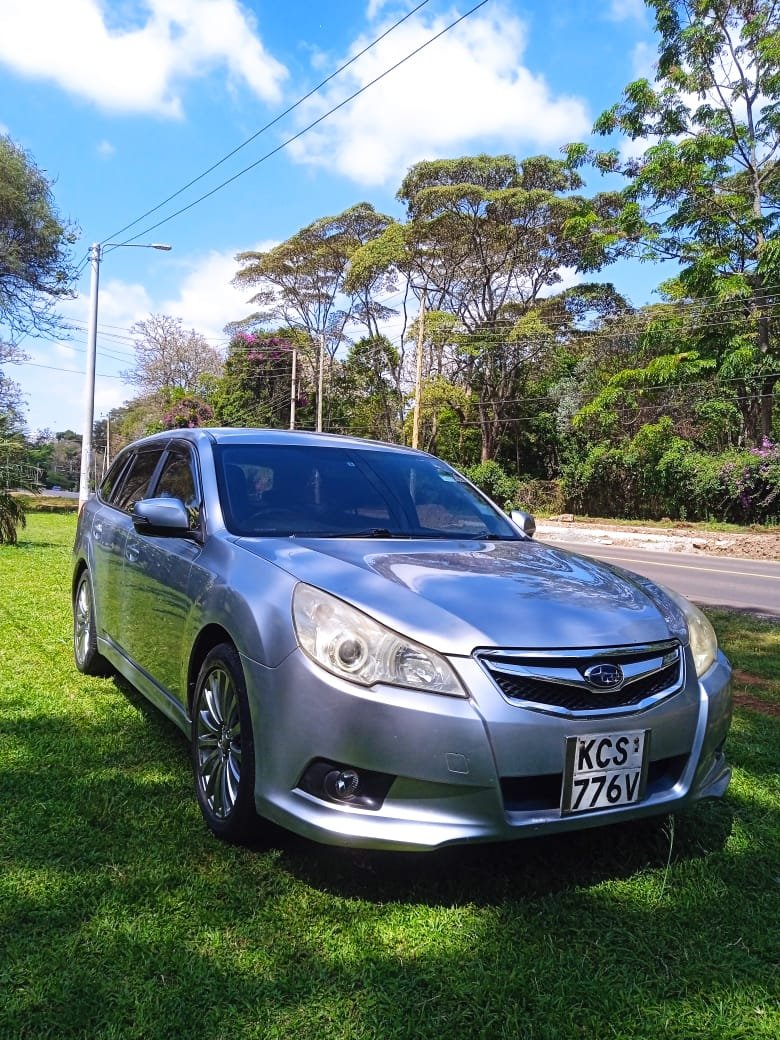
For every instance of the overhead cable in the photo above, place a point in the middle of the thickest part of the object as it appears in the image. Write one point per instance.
(306, 129)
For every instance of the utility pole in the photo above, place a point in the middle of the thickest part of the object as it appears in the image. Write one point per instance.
(293, 387)
(320, 381)
(418, 372)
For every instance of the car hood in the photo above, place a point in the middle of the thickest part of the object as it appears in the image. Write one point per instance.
(458, 595)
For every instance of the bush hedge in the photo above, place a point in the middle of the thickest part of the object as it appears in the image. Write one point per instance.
(653, 476)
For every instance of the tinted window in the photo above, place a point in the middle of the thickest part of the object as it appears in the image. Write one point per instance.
(113, 479)
(136, 479)
(292, 489)
(178, 479)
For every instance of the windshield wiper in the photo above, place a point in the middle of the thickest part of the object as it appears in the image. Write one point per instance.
(368, 532)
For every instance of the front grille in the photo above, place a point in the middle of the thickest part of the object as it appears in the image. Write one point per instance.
(557, 681)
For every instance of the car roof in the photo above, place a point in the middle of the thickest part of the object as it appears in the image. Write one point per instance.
(229, 435)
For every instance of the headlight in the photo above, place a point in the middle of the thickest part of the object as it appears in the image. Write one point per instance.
(701, 634)
(352, 645)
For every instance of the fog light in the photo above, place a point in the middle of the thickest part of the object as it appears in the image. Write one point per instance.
(342, 784)
(339, 782)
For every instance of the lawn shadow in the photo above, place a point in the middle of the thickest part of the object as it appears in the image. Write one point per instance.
(480, 874)
(491, 874)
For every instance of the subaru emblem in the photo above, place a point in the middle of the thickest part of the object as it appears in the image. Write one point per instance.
(604, 676)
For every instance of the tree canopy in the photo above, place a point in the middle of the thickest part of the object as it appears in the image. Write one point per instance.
(168, 357)
(35, 268)
(705, 189)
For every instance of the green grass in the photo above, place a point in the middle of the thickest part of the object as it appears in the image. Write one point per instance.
(120, 917)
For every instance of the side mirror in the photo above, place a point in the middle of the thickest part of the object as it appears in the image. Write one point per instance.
(161, 516)
(524, 521)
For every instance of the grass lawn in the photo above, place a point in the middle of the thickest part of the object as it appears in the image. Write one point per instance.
(121, 917)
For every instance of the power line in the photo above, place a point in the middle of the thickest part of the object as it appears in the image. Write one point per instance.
(70, 371)
(273, 122)
(306, 129)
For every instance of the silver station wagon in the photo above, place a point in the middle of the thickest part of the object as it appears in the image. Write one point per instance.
(362, 648)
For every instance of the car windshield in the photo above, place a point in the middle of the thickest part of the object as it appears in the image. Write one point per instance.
(334, 492)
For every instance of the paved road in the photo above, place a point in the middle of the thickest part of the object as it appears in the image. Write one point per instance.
(715, 580)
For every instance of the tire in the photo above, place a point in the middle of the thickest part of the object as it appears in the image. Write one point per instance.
(88, 659)
(223, 759)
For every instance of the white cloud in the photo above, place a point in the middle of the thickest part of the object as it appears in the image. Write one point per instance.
(206, 299)
(105, 150)
(627, 10)
(467, 90)
(138, 68)
(643, 60)
(374, 7)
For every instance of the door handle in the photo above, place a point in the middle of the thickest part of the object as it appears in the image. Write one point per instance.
(97, 530)
(132, 552)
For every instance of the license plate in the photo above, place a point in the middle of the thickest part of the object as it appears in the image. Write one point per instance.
(605, 770)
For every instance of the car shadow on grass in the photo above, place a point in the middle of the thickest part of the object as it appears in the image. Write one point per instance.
(491, 874)
(481, 874)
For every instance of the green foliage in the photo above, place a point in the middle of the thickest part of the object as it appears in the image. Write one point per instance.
(12, 517)
(706, 189)
(35, 268)
(497, 484)
(256, 386)
(364, 398)
(301, 283)
(657, 474)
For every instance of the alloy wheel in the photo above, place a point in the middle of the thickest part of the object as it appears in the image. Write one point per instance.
(218, 742)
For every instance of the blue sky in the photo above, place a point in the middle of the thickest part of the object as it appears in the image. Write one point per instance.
(122, 102)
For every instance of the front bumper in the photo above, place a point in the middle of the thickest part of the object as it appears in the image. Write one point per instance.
(459, 770)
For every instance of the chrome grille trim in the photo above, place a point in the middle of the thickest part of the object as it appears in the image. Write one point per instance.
(553, 681)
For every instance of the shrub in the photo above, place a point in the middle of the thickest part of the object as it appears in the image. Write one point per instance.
(495, 482)
(656, 476)
(12, 517)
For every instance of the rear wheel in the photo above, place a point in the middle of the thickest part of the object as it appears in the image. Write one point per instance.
(85, 652)
(222, 746)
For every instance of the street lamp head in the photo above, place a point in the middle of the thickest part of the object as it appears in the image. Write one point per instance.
(162, 245)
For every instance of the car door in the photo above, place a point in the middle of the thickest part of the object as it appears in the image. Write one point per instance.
(124, 484)
(157, 578)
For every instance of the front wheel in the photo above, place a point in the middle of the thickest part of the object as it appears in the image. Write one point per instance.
(222, 746)
(85, 652)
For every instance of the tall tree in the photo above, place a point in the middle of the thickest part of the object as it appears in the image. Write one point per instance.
(365, 388)
(170, 358)
(301, 283)
(706, 190)
(35, 269)
(256, 387)
(486, 237)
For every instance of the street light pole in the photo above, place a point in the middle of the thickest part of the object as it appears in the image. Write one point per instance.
(95, 256)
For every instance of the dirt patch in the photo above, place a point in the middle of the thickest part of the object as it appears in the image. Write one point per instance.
(745, 698)
(747, 544)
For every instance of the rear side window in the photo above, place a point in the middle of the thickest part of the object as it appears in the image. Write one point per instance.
(113, 479)
(135, 479)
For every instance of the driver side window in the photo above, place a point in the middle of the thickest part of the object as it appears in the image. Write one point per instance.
(178, 479)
